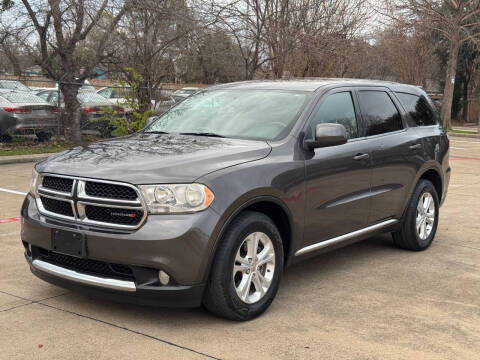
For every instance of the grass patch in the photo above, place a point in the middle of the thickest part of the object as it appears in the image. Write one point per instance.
(469, 132)
(31, 147)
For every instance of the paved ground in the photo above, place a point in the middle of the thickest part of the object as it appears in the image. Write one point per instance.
(366, 301)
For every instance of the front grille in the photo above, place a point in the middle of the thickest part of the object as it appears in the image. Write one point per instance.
(110, 191)
(87, 265)
(57, 183)
(57, 206)
(90, 202)
(114, 215)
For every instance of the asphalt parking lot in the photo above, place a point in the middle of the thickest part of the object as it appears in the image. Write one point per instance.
(366, 301)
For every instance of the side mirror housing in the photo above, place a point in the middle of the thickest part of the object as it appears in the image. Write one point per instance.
(327, 134)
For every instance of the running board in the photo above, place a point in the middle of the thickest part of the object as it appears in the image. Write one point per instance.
(345, 237)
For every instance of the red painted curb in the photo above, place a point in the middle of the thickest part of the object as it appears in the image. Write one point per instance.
(9, 220)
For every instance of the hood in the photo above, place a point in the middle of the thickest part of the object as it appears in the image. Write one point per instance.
(154, 158)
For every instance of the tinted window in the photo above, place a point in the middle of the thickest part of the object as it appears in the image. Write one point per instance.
(418, 109)
(338, 109)
(380, 114)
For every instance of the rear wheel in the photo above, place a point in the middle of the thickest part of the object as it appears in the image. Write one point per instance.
(5, 138)
(420, 220)
(247, 268)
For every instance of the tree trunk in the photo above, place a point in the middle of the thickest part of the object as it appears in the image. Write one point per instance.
(465, 100)
(446, 113)
(73, 114)
(17, 70)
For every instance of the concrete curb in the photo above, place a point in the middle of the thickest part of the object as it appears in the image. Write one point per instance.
(17, 159)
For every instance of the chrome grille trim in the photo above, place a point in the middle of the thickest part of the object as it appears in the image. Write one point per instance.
(79, 199)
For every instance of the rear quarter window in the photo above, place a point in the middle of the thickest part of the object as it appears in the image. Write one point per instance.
(419, 111)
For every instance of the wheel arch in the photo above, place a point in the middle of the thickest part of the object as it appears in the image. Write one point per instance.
(433, 175)
(272, 207)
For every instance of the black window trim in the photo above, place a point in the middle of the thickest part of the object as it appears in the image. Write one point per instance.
(395, 102)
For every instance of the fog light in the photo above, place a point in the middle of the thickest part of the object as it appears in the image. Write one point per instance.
(163, 277)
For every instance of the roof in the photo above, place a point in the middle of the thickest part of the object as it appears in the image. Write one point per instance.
(311, 84)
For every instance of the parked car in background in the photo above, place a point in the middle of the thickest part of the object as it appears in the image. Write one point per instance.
(212, 201)
(164, 103)
(184, 93)
(23, 112)
(14, 85)
(93, 106)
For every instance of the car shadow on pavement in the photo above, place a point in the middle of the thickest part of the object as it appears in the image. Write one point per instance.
(298, 279)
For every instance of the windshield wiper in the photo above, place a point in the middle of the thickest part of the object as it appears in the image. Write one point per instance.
(203, 134)
(157, 132)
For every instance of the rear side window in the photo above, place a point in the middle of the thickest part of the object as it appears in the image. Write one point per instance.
(338, 109)
(379, 113)
(417, 107)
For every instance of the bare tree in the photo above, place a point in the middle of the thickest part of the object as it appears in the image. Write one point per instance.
(455, 20)
(58, 30)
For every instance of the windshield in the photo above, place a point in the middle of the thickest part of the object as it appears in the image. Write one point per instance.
(13, 85)
(249, 114)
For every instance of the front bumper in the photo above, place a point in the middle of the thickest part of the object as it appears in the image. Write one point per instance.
(180, 245)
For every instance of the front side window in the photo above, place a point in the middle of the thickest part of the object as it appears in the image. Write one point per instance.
(379, 113)
(247, 114)
(338, 109)
(418, 109)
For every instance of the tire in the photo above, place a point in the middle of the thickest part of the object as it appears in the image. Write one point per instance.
(5, 138)
(409, 237)
(43, 136)
(221, 297)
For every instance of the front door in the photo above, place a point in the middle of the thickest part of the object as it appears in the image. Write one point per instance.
(337, 177)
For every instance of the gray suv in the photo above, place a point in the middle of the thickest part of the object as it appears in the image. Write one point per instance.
(213, 200)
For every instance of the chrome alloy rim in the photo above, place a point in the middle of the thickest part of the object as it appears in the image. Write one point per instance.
(425, 215)
(254, 267)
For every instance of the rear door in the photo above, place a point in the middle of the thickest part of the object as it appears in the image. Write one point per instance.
(337, 177)
(397, 152)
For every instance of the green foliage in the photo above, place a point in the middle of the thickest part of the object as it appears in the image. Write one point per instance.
(136, 118)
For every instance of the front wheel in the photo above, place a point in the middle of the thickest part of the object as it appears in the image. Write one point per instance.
(420, 220)
(247, 268)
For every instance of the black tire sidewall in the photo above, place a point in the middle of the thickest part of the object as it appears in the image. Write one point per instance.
(235, 239)
(423, 187)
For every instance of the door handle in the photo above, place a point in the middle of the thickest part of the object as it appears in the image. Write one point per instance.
(415, 146)
(361, 156)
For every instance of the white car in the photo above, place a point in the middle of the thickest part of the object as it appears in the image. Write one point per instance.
(184, 93)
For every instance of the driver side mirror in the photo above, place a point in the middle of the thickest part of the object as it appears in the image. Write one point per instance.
(327, 134)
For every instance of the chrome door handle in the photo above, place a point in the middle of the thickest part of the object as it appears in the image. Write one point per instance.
(361, 156)
(415, 146)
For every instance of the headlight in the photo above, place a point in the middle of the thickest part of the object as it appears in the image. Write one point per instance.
(176, 198)
(35, 182)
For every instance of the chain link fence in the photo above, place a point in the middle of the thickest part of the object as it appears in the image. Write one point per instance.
(32, 107)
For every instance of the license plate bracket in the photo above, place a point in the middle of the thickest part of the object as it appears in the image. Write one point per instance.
(69, 243)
